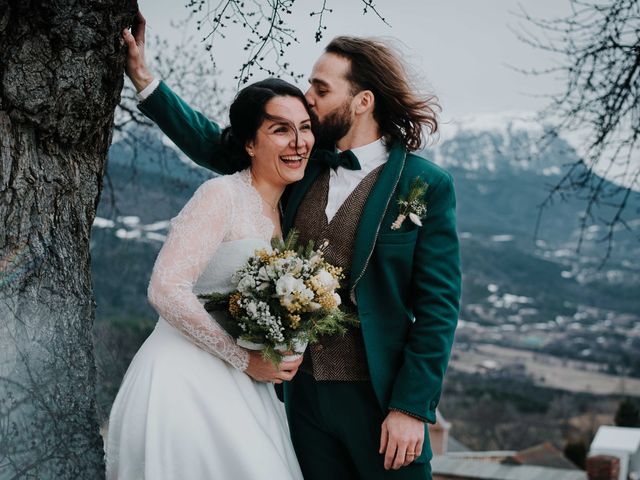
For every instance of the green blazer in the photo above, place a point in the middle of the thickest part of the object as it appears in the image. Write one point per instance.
(406, 282)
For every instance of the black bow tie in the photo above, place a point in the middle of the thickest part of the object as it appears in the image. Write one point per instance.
(346, 159)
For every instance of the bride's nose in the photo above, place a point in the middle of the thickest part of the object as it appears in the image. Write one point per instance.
(297, 142)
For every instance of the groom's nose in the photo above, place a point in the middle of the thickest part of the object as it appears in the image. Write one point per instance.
(309, 96)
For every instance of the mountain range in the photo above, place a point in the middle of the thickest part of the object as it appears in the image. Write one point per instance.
(519, 289)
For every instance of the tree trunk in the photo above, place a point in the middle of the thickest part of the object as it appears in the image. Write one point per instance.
(61, 66)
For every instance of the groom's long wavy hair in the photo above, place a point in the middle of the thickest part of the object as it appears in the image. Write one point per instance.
(401, 112)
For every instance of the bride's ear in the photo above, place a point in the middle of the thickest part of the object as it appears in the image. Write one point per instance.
(249, 148)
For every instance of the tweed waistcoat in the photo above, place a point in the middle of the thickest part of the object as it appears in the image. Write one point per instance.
(335, 357)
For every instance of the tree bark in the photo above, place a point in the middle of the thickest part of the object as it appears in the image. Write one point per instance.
(61, 66)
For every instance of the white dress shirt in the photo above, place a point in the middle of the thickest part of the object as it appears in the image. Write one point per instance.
(343, 181)
(148, 90)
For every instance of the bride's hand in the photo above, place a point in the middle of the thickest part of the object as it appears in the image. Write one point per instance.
(263, 370)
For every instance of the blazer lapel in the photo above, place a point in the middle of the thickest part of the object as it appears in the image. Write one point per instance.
(373, 213)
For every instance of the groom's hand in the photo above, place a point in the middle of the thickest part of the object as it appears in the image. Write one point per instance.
(263, 370)
(401, 439)
(136, 68)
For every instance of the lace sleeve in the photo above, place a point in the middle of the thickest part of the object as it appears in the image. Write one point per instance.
(195, 234)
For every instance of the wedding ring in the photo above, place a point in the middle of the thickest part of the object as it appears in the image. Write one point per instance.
(411, 453)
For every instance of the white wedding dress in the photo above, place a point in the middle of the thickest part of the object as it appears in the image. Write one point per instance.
(186, 409)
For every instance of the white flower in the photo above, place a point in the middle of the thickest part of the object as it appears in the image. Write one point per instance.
(288, 284)
(315, 259)
(337, 298)
(313, 306)
(280, 265)
(326, 280)
(295, 266)
(306, 294)
(263, 273)
(246, 284)
(415, 219)
(251, 308)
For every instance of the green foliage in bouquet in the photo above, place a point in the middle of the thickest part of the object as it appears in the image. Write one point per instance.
(284, 297)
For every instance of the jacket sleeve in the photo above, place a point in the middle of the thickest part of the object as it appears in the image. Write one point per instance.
(193, 133)
(435, 287)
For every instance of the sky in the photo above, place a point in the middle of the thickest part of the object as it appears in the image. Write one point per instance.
(466, 52)
(462, 50)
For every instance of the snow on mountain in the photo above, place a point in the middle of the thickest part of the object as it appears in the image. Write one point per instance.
(493, 142)
(519, 136)
(502, 122)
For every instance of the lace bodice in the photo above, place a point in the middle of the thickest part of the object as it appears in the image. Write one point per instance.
(215, 233)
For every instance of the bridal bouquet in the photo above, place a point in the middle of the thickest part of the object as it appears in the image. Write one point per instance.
(283, 299)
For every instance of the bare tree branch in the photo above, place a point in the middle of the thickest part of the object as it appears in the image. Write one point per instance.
(267, 30)
(598, 46)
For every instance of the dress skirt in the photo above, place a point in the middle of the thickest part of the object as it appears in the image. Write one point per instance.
(184, 413)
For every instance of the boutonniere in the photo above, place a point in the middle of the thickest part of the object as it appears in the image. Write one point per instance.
(413, 206)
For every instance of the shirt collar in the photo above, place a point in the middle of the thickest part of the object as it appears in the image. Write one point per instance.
(371, 152)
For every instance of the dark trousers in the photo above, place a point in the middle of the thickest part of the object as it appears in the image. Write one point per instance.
(335, 428)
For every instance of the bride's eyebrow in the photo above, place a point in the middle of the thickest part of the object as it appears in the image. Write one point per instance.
(278, 120)
(281, 121)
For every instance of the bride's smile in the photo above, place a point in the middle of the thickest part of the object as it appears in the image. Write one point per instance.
(293, 161)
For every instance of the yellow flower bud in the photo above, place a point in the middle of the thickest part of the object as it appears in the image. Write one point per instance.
(295, 321)
(234, 309)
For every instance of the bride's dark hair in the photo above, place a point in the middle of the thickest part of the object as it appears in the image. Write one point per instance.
(247, 112)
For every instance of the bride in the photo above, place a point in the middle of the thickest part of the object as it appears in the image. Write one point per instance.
(193, 404)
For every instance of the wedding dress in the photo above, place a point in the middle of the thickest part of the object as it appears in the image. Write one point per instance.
(186, 409)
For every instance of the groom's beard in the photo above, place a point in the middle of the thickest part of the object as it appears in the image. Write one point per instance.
(334, 126)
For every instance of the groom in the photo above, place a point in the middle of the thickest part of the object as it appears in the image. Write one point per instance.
(360, 404)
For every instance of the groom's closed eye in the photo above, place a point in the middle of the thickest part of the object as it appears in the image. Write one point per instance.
(320, 87)
(321, 91)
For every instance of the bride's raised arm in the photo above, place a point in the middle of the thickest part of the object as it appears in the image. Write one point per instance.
(194, 236)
